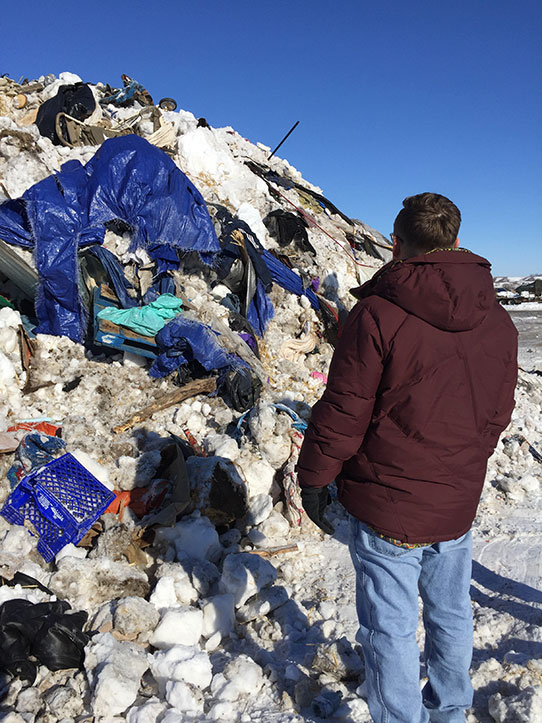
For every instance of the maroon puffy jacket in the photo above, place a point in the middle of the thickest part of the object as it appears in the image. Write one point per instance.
(420, 386)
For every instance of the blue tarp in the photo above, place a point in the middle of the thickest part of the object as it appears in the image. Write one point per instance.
(288, 279)
(114, 270)
(183, 340)
(127, 179)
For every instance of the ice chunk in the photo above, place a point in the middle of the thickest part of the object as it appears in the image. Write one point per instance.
(241, 676)
(257, 538)
(184, 697)
(164, 596)
(260, 476)
(114, 670)
(70, 550)
(275, 528)
(181, 590)
(64, 701)
(248, 213)
(259, 508)
(182, 663)
(265, 602)
(218, 616)
(223, 711)
(525, 707)
(88, 583)
(149, 712)
(135, 616)
(197, 537)
(244, 574)
(223, 445)
(180, 626)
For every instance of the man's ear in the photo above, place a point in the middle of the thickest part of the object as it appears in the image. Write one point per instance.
(456, 243)
(396, 247)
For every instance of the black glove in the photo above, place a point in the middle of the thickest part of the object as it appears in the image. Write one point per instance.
(315, 501)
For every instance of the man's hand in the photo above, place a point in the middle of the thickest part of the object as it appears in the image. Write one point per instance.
(315, 501)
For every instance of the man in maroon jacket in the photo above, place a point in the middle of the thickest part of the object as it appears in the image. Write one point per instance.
(420, 387)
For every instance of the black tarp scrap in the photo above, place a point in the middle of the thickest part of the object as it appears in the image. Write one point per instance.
(287, 228)
(46, 633)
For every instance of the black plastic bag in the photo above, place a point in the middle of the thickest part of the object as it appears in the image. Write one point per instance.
(44, 631)
(75, 100)
(241, 388)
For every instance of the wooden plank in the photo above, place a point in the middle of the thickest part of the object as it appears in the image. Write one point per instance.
(199, 386)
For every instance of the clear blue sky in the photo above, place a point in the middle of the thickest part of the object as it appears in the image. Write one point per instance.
(393, 98)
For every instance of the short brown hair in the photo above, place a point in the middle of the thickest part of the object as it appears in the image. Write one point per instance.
(427, 221)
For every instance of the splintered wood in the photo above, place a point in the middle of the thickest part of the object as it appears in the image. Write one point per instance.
(199, 386)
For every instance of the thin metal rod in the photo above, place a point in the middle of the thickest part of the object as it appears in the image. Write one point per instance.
(292, 129)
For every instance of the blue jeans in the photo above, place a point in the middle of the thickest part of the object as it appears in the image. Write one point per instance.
(388, 579)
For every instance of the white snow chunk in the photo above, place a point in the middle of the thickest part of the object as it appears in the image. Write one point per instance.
(222, 445)
(130, 359)
(260, 476)
(224, 711)
(176, 589)
(525, 707)
(114, 670)
(267, 600)
(184, 697)
(259, 508)
(257, 538)
(149, 712)
(218, 616)
(197, 538)
(275, 528)
(70, 550)
(241, 676)
(243, 575)
(249, 214)
(180, 626)
(135, 616)
(529, 483)
(164, 596)
(182, 663)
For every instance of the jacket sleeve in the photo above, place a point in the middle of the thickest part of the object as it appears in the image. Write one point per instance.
(340, 419)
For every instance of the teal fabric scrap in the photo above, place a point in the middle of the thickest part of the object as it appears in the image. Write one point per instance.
(146, 320)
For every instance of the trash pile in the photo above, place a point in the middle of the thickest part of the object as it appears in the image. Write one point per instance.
(169, 301)
(170, 297)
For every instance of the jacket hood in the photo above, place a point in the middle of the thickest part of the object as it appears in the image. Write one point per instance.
(452, 289)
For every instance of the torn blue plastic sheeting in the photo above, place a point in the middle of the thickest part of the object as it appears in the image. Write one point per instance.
(288, 279)
(124, 94)
(127, 179)
(163, 284)
(167, 259)
(297, 422)
(120, 283)
(261, 310)
(34, 450)
(184, 340)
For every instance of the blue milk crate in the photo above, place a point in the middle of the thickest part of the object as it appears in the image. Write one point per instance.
(58, 503)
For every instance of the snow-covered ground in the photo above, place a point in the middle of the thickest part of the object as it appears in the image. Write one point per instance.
(200, 627)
